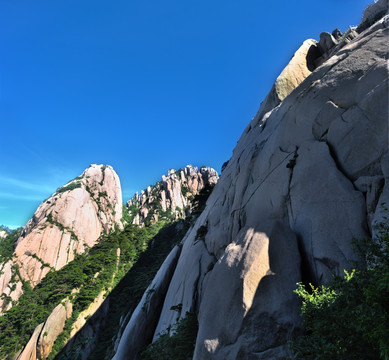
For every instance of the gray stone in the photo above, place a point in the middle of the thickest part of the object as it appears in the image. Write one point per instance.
(139, 330)
(337, 34)
(378, 7)
(327, 42)
(287, 197)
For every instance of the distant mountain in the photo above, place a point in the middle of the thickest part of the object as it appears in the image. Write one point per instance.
(172, 198)
(66, 224)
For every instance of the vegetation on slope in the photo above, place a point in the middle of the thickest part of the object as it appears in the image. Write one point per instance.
(35, 305)
(142, 251)
(349, 319)
(7, 245)
(128, 292)
(179, 346)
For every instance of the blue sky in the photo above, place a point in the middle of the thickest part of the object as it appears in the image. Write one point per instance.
(141, 85)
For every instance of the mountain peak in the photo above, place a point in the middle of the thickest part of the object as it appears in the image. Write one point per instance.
(172, 197)
(67, 223)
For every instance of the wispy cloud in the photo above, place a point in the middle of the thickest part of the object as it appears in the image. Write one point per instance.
(9, 181)
(26, 197)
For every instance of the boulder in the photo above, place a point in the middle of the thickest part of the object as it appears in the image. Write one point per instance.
(299, 67)
(327, 42)
(337, 34)
(377, 8)
(52, 328)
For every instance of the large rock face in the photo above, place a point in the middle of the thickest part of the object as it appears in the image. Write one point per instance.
(64, 225)
(139, 330)
(172, 197)
(303, 181)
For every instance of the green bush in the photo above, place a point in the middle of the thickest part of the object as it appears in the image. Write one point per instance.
(349, 318)
(179, 346)
(73, 185)
(7, 245)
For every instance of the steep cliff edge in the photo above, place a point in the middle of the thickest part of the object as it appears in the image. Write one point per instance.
(306, 177)
(66, 224)
(172, 197)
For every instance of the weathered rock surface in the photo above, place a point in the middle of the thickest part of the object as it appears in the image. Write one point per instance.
(53, 328)
(140, 329)
(3, 234)
(85, 328)
(173, 196)
(29, 352)
(42, 340)
(67, 223)
(303, 181)
(300, 66)
(378, 7)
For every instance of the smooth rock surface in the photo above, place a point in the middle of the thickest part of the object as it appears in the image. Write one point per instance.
(139, 330)
(64, 225)
(286, 208)
(299, 67)
(53, 328)
(29, 352)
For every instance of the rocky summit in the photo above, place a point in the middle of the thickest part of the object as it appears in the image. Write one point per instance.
(173, 196)
(66, 224)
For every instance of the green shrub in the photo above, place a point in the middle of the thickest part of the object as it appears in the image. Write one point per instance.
(7, 245)
(179, 346)
(73, 185)
(349, 318)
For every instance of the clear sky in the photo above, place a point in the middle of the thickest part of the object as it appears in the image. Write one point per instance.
(141, 85)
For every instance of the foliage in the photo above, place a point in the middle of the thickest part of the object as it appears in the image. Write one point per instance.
(142, 252)
(225, 165)
(73, 185)
(179, 346)
(34, 306)
(128, 292)
(126, 215)
(349, 318)
(201, 232)
(7, 245)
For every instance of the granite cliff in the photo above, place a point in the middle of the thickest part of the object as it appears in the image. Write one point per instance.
(67, 223)
(172, 197)
(307, 176)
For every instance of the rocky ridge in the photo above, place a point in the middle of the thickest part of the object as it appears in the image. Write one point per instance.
(308, 175)
(172, 197)
(66, 224)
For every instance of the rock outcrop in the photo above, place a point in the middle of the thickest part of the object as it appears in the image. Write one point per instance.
(306, 177)
(140, 329)
(66, 224)
(172, 197)
(3, 234)
(42, 340)
(300, 66)
(375, 10)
